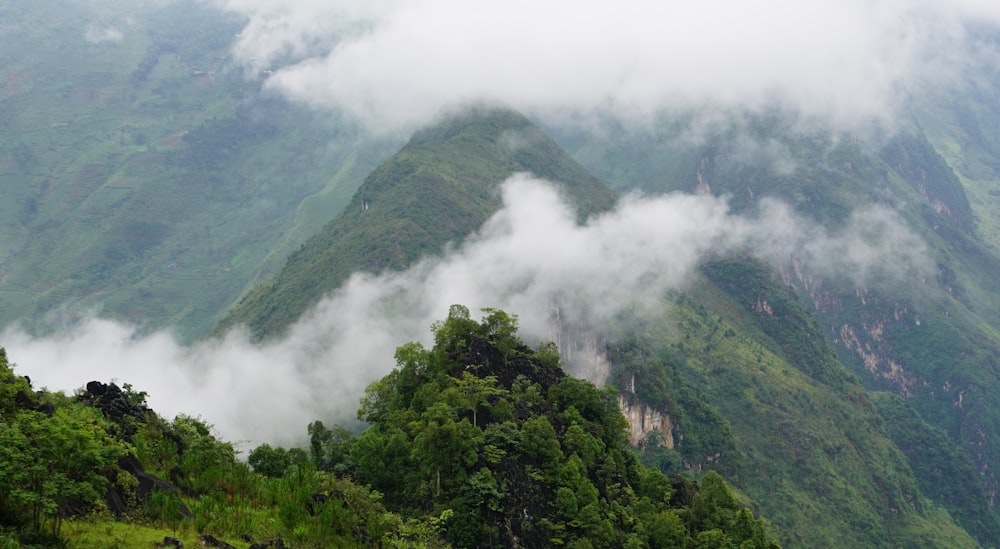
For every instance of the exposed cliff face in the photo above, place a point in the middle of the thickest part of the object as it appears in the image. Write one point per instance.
(585, 356)
(643, 421)
(581, 348)
(917, 350)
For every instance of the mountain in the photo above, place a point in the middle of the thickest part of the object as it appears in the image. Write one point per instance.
(751, 385)
(437, 189)
(515, 454)
(931, 339)
(848, 394)
(144, 177)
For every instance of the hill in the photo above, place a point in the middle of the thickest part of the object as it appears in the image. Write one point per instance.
(143, 176)
(739, 386)
(437, 189)
(930, 339)
(515, 454)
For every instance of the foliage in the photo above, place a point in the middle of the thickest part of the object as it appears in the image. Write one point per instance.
(51, 463)
(149, 179)
(438, 188)
(495, 438)
(66, 465)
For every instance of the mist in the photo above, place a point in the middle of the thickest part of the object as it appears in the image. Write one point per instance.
(527, 257)
(393, 64)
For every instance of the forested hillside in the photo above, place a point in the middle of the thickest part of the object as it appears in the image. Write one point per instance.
(738, 370)
(509, 453)
(930, 337)
(143, 176)
(439, 188)
(193, 178)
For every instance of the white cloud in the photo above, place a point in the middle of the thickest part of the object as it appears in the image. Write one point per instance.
(523, 258)
(395, 64)
(103, 35)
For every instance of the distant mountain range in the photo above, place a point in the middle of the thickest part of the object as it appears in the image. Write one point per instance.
(850, 394)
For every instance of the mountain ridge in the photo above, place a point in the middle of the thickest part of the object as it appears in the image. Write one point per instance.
(438, 188)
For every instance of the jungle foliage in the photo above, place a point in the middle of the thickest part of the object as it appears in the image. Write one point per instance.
(480, 441)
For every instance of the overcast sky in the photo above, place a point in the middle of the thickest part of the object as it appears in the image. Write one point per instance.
(395, 63)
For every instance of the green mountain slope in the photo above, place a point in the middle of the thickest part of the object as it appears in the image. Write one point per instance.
(142, 175)
(439, 188)
(762, 397)
(515, 454)
(931, 339)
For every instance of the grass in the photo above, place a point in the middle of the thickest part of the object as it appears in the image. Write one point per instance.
(109, 534)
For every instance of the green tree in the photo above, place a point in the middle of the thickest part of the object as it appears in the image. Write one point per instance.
(443, 445)
(330, 448)
(714, 505)
(470, 392)
(540, 441)
(46, 462)
(268, 461)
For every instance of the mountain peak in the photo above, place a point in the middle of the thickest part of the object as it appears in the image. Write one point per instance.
(440, 187)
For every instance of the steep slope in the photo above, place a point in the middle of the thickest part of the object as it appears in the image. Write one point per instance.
(522, 455)
(930, 338)
(439, 188)
(747, 387)
(143, 176)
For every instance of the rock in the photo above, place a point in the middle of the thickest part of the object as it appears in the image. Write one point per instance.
(171, 542)
(277, 543)
(208, 540)
(148, 482)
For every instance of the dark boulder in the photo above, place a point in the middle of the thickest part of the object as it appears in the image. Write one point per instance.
(208, 540)
(147, 483)
(116, 405)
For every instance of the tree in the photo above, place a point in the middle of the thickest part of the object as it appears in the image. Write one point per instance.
(268, 461)
(470, 392)
(49, 462)
(540, 441)
(714, 505)
(443, 445)
(330, 448)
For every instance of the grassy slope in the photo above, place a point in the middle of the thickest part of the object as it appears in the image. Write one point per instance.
(145, 176)
(440, 187)
(934, 342)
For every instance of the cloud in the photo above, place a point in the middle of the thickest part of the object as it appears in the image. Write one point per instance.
(395, 63)
(103, 35)
(528, 258)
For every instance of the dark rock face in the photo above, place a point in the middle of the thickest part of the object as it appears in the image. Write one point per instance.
(147, 484)
(115, 404)
(26, 401)
(171, 542)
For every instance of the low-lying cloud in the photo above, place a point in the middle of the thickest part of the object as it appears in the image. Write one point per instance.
(526, 256)
(103, 35)
(396, 63)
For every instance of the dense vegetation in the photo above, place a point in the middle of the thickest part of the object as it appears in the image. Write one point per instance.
(931, 338)
(143, 175)
(477, 442)
(439, 188)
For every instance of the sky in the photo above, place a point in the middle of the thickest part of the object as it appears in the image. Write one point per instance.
(395, 64)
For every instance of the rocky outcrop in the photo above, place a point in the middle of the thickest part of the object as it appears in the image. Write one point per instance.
(147, 483)
(580, 348)
(643, 421)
